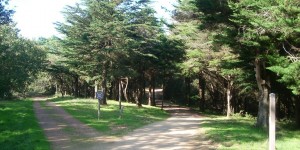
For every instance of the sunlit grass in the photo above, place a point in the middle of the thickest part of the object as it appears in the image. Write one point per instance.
(240, 133)
(110, 123)
(19, 128)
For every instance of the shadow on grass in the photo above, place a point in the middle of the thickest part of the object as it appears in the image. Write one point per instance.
(232, 131)
(110, 123)
(19, 128)
(287, 129)
(57, 99)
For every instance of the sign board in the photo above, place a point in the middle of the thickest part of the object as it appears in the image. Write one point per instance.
(100, 95)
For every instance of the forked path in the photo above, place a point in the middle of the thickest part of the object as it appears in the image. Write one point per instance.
(180, 131)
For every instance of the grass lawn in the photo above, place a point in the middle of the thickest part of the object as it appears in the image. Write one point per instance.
(19, 128)
(109, 123)
(239, 133)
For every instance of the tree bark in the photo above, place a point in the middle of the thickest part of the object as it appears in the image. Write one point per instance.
(201, 89)
(139, 90)
(262, 117)
(229, 97)
(150, 95)
(104, 83)
(120, 94)
(125, 89)
(138, 97)
(151, 98)
(297, 108)
(85, 89)
(76, 85)
(56, 89)
(153, 92)
(188, 90)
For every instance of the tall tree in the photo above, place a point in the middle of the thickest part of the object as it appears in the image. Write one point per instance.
(143, 31)
(20, 60)
(93, 32)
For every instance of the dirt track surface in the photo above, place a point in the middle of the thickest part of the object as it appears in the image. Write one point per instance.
(179, 132)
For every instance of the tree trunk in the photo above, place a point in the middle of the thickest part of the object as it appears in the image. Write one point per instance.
(104, 88)
(56, 89)
(163, 89)
(125, 89)
(153, 92)
(120, 94)
(85, 89)
(62, 91)
(262, 116)
(61, 87)
(150, 95)
(139, 90)
(138, 96)
(201, 89)
(104, 84)
(188, 90)
(76, 85)
(297, 108)
(144, 86)
(200, 93)
(163, 92)
(229, 97)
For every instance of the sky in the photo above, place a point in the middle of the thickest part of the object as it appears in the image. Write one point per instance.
(36, 18)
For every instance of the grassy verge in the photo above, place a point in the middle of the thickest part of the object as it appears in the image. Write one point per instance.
(85, 110)
(19, 128)
(239, 133)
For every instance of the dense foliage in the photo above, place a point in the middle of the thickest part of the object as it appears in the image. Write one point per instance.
(112, 42)
(219, 55)
(20, 59)
(237, 37)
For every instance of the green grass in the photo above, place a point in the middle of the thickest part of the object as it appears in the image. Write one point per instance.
(19, 128)
(109, 123)
(239, 133)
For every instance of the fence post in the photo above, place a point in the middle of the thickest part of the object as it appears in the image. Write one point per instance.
(272, 122)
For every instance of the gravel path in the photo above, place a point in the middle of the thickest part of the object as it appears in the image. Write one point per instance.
(180, 131)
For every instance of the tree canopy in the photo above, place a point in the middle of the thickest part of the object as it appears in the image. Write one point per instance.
(220, 55)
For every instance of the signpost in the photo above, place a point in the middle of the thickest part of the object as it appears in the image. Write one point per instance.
(99, 96)
(272, 121)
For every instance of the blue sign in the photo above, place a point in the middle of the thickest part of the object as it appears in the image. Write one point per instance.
(100, 95)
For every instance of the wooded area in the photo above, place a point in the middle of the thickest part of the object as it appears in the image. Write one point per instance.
(219, 55)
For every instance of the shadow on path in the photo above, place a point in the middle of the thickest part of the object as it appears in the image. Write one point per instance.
(180, 131)
(65, 132)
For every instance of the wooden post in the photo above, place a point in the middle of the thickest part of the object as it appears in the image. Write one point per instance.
(99, 96)
(163, 96)
(272, 122)
(98, 109)
(120, 94)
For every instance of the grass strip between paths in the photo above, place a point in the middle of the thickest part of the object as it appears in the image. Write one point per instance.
(109, 123)
(240, 133)
(19, 128)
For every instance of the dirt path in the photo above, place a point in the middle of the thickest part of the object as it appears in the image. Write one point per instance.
(65, 132)
(180, 131)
